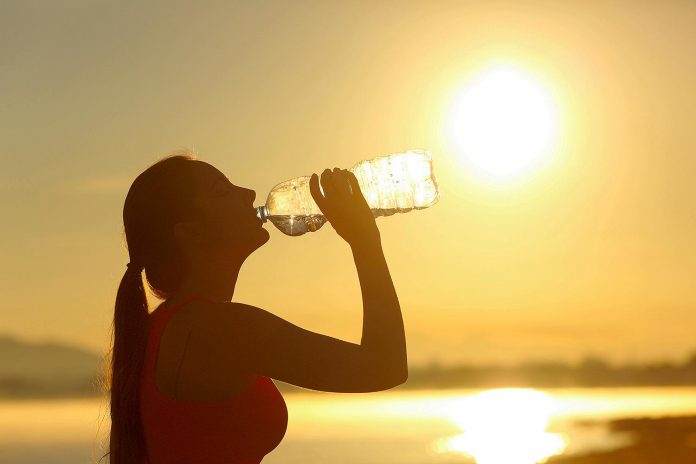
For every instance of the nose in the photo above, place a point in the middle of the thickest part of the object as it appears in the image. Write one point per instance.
(252, 194)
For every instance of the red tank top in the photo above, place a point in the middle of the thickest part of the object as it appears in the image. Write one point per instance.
(239, 430)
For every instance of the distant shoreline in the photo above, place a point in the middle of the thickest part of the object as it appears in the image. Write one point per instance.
(55, 370)
(664, 440)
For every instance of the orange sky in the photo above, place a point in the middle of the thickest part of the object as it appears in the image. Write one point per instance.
(594, 254)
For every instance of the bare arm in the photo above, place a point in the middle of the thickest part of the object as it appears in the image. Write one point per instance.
(345, 207)
(383, 328)
(250, 339)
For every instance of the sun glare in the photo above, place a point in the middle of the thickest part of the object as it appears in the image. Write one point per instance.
(504, 426)
(503, 122)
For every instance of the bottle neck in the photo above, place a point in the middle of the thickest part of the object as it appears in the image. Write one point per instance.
(262, 213)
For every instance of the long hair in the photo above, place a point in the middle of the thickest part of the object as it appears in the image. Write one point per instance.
(158, 198)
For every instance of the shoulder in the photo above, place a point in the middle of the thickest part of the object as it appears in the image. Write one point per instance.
(233, 333)
(214, 317)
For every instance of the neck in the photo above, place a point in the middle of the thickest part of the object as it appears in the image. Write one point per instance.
(213, 280)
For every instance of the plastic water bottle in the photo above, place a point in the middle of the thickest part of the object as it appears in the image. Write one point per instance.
(395, 183)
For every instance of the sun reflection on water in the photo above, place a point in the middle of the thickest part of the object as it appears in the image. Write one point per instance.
(504, 426)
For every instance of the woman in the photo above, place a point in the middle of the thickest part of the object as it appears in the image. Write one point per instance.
(192, 381)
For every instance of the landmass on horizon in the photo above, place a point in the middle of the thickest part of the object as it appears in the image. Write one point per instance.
(58, 370)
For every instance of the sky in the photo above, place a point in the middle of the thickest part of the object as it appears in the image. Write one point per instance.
(593, 253)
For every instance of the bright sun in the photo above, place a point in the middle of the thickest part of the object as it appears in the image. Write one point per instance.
(504, 122)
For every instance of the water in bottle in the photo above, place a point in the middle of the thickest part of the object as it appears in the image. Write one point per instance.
(395, 183)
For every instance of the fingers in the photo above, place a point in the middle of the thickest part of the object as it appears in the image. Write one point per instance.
(316, 193)
(355, 187)
(328, 201)
(335, 185)
(341, 183)
(327, 185)
(341, 189)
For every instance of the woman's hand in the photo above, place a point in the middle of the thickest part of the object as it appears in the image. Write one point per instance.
(344, 206)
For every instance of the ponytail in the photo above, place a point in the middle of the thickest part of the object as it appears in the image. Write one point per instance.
(158, 198)
(131, 316)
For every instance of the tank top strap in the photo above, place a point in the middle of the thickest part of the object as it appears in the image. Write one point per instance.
(157, 322)
(165, 310)
(186, 300)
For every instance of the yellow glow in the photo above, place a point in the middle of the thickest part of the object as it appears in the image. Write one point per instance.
(504, 426)
(504, 123)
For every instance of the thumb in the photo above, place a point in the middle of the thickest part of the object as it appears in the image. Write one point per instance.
(319, 199)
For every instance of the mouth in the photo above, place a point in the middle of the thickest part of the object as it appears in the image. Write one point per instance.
(258, 215)
(255, 219)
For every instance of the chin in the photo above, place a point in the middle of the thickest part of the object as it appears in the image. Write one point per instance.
(261, 237)
(266, 236)
(242, 247)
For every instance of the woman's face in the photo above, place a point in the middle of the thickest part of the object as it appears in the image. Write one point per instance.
(226, 225)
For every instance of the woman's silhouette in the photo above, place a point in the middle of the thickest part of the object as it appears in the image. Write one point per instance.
(191, 381)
